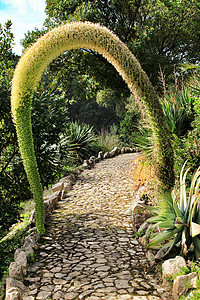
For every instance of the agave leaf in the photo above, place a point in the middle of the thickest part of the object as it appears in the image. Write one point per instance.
(176, 209)
(196, 242)
(183, 192)
(167, 224)
(195, 229)
(172, 243)
(155, 219)
(160, 237)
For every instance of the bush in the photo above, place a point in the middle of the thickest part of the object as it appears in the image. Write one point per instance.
(128, 127)
(108, 139)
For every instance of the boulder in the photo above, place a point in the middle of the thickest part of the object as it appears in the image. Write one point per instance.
(13, 283)
(13, 294)
(183, 283)
(171, 267)
(58, 186)
(16, 271)
(30, 241)
(21, 259)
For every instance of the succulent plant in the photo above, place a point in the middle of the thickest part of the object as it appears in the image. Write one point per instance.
(179, 220)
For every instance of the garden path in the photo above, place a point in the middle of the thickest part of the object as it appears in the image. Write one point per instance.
(89, 250)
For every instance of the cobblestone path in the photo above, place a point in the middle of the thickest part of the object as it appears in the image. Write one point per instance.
(89, 250)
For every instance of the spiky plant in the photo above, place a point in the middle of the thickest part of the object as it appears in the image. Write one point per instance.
(179, 219)
(37, 58)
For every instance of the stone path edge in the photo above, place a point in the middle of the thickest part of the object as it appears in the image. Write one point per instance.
(15, 287)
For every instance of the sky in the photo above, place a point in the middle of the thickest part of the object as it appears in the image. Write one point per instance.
(25, 15)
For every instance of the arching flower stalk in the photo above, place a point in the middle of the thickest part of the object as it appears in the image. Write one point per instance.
(37, 58)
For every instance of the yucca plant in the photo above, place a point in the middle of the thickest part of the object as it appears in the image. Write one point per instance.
(82, 139)
(179, 221)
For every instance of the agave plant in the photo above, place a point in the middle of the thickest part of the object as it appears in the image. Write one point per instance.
(179, 221)
(178, 111)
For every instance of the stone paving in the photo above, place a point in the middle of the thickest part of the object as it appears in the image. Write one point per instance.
(89, 250)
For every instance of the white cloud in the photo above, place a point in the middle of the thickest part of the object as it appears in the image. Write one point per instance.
(25, 15)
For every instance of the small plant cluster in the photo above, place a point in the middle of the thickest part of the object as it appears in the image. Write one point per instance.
(143, 172)
(179, 220)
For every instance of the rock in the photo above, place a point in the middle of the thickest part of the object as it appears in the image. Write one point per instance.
(63, 195)
(30, 241)
(44, 295)
(13, 283)
(13, 294)
(143, 227)
(91, 161)
(172, 266)
(29, 250)
(143, 240)
(85, 164)
(183, 283)
(58, 186)
(21, 259)
(55, 198)
(114, 152)
(58, 295)
(97, 160)
(150, 257)
(106, 155)
(160, 254)
(137, 210)
(100, 155)
(126, 150)
(15, 271)
(67, 186)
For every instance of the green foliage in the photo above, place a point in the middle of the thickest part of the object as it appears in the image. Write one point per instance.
(13, 182)
(187, 147)
(178, 109)
(129, 127)
(179, 221)
(82, 139)
(108, 139)
(49, 120)
(160, 32)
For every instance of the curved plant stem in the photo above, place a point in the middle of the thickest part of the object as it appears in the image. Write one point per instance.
(90, 36)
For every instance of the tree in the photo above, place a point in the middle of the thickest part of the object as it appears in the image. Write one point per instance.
(159, 32)
(12, 177)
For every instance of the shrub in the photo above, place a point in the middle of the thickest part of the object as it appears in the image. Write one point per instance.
(128, 127)
(108, 139)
